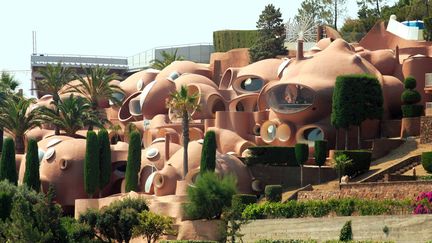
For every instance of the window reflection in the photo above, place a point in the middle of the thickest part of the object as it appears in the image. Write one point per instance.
(252, 84)
(290, 98)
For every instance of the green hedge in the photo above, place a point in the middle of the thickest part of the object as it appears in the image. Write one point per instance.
(426, 160)
(301, 153)
(273, 193)
(286, 241)
(188, 241)
(412, 110)
(225, 40)
(361, 160)
(411, 96)
(272, 155)
(321, 208)
(427, 32)
(320, 153)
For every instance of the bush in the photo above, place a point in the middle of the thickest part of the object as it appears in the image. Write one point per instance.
(273, 193)
(286, 241)
(104, 158)
(410, 83)
(301, 153)
(320, 153)
(244, 199)
(346, 232)
(272, 155)
(134, 162)
(410, 97)
(31, 175)
(427, 32)
(5, 205)
(152, 226)
(188, 241)
(423, 203)
(91, 164)
(208, 154)
(412, 110)
(426, 160)
(361, 160)
(209, 196)
(315, 208)
(225, 40)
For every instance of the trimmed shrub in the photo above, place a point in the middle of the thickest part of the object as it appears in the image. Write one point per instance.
(412, 110)
(301, 153)
(31, 175)
(345, 207)
(208, 154)
(209, 196)
(286, 241)
(320, 153)
(245, 199)
(91, 164)
(271, 155)
(7, 162)
(238, 204)
(346, 232)
(104, 158)
(426, 160)
(410, 83)
(225, 40)
(188, 241)
(410, 96)
(134, 162)
(273, 193)
(317, 208)
(361, 160)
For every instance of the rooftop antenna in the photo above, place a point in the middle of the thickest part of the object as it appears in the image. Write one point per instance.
(34, 42)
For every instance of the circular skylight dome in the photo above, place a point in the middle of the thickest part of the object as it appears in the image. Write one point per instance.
(53, 142)
(151, 153)
(41, 154)
(49, 153)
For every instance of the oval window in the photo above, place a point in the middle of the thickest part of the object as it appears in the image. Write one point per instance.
(49, 153)
(290, 98)
(151, 153)
(313, 134)
(41, 154)
(252, 84)
(173, 76)
(63, 164)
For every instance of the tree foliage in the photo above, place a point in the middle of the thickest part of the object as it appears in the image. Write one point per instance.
(208, 154)
(8, 82)
(91, 164)
(104, 158)
(318, 10)
(7, 162)
(209, 196)
(134, 162)
(167, 59)
(271, 35)
(152, 226)
(31, 175)
(73, 114)
(182, 104)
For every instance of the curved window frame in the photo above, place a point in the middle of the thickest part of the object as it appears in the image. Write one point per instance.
(276, 107)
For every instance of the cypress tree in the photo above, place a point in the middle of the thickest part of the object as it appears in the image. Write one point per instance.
(208, 154)
(104, 158)
(7, 162)
(320, 155)
(31, 175)
(134, 162)
(302, 155)
(91, 164)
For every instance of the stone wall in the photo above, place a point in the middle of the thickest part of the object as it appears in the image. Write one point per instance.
(372, 190)
(426, 129)
(401, 228)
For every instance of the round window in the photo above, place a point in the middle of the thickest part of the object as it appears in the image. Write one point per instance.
(49, 153)
(313, 134)
(252, 84)
(151, 153)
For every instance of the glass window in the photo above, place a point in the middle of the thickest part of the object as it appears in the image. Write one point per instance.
(290, 98)
(313, 134)
(252, 84)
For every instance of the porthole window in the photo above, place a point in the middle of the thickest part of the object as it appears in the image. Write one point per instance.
(49, 153)
(41, 154)
(63, 164)
(173, 76)
(140, 84)
(313, 134)
(271, 131)
(151, 153)
(252, 84)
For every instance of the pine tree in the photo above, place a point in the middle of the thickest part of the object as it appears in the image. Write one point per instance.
(91, 164)
(208, 154)
(31, 175)
(104, 158)
(271, 35)
(134, 162)
(7, 162)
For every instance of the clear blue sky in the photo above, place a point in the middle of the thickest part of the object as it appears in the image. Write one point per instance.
(120, 28)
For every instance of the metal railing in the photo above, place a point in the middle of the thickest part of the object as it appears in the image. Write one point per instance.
(40, 60)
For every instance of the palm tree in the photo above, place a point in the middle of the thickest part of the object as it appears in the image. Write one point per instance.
(168, 58)
(17, 117)
(96, 86)
(182, 105)
(55, 77)
(8, 84)
(74, 113)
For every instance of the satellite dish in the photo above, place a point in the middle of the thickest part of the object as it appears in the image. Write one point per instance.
(301, 28)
